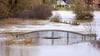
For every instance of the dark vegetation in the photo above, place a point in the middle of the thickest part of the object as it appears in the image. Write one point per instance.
(83, 11)
(42, 11)
(23, 9)
(38, 12)
(96, 43)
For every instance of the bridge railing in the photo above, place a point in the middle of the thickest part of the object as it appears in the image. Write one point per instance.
(69, 36)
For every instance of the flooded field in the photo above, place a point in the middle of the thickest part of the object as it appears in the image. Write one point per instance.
(83, 49)
(46, 47)
(12, 27)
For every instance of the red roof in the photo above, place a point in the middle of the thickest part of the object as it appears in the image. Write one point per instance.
(96, 1)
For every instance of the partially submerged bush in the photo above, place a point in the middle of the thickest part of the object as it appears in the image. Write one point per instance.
(55, 18)
(84, 16)
(42, 12)
(83, 12)
(74, 23)
(95, 43)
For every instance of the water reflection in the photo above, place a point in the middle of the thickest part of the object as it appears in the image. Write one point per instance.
(23, 51)
(83, 49)
(17, 47)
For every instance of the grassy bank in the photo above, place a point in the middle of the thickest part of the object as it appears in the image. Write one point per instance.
(63, 8)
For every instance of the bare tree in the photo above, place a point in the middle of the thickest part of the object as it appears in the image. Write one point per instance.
(8, 8)
(4, 10)
(82, 10)
(90, 29)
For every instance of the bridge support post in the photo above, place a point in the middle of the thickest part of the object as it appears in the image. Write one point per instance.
(83, 37)
(16, 36)
(67, 38)
(52, 39)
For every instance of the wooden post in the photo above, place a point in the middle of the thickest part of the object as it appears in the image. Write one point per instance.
(67, 38)
(95, 37)
(83, 37)
(52, 37)
(16, 36)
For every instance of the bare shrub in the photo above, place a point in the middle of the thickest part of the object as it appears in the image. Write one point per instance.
(4, 10)
(83, 12)
(38, 12)
(89, 28)
(8, 8)
(95, 43)
(24, 14)
(42, 11)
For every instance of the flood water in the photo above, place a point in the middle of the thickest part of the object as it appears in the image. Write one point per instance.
(28, 26)
(47, 49)
(69, 15)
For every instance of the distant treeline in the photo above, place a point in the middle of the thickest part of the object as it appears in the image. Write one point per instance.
(23, 9)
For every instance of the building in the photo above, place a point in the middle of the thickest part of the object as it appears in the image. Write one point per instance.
(61, 3)
(93, 2)
(96, 2)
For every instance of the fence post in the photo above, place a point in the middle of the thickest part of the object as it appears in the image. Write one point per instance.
(67, 38)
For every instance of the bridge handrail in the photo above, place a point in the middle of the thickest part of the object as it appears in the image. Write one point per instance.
(79, 33)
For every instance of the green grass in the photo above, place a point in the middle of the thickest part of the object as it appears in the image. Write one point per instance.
(64, 8)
